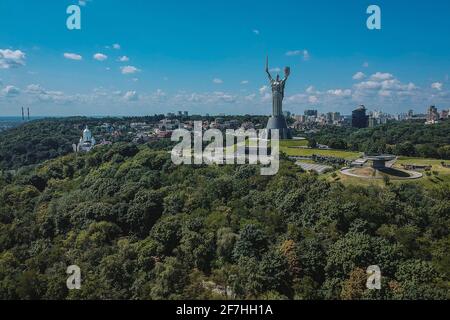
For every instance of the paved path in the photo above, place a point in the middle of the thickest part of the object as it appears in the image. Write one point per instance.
(413, 175)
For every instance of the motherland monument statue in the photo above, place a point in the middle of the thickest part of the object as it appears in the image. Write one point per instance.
(277, 120)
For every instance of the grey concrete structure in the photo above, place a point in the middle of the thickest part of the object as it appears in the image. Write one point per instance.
(379, 162)
(277, 120)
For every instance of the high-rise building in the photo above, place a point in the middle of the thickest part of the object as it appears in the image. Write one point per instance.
(311, 113)
(432, 114)
(359, 117)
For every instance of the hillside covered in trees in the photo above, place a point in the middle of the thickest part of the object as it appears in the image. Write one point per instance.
(141, 228)
(406, 138)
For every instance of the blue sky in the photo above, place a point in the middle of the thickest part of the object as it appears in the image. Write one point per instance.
(208, 56)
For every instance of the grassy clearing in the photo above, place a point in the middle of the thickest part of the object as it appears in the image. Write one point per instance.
(328, 153)
(293, 143)
(291, 148)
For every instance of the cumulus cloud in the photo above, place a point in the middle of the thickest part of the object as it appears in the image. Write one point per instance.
(368, 85)
(313, 99)
(340, 92)
(359, 76)
(129, 70)
(302, 53)
(116, 46)
(217, 81)
(381, 76)
(73, 56)
(204, 98)
(100, 57)
(385, 86)
(10, 91)
(310, 89)
(11, 58)
(124, 59)
(263, 89)
(244, 82)
(131, 96)
(43, 95)
(437, 86)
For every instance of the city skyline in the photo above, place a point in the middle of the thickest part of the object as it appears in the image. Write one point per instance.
(144, 58)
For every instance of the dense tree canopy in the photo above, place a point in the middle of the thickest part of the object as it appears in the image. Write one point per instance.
(140, 227)
(406, 138)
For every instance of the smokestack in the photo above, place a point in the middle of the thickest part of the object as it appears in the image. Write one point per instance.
(23, 116)
(28, 112)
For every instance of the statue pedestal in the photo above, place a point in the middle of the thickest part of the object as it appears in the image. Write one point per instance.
(279, 122)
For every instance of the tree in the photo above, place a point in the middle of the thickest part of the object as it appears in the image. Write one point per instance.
(145, 210)
(252, 242)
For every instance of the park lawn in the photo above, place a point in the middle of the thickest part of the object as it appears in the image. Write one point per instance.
(299, 152)
(293, 143)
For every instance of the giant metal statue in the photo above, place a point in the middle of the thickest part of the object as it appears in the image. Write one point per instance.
(277, 120)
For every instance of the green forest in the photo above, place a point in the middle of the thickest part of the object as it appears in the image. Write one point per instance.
(406, 138)
(140, 227)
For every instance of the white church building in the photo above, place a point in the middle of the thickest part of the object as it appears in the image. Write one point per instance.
(87, 141)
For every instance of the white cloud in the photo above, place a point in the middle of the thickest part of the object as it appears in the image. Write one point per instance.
(255, 31)
(310, 89)
(250, 97)
(379, 76)
(124, 59)
(263, 89)
(302, 53)
(368, 85)
(129, 70)
(10, 91)
(131, 96)
(73, 56)
(359, 76)
(275, 69)
(437, 86)
(44, 95)
(11, 59)
(297, 98)
(116, 46)
(100, 57)
(384, 93)
(313, 99)
(244, 82)
(340, 92)
(217, 81)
